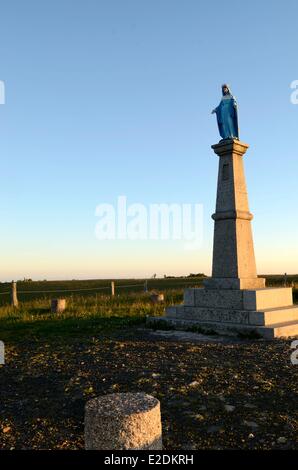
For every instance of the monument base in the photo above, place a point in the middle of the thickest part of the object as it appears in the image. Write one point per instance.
(267, 312)
(234, 283)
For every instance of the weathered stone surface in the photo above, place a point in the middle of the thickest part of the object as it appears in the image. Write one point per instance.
(171, 311)
(210, 314)
(274, 316)
(234, 265)
(233, 250)
(265, 317)
(189, 297)
(221, 298)
(267, 298)
(123, 421)
(244, 299)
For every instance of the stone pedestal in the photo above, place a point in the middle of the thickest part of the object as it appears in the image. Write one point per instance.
(235, 300)
(234, 265)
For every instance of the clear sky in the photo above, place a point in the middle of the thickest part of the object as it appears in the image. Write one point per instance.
(113, 97)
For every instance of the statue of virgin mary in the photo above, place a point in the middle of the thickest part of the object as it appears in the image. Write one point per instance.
(227, 115)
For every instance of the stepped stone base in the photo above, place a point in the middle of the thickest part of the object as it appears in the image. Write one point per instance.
(269, 313)
(234, 283)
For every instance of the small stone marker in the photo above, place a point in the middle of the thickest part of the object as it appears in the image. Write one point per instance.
(112, 288)
(58, 305)
(123, 421)
(157, 298)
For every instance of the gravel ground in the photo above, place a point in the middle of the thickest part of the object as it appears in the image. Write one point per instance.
(214, 393)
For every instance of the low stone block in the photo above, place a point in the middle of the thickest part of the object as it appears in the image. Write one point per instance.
(267, 298)
(245, 317)
(221, 298)
(253, 299)
(274, 316)
(205, 314)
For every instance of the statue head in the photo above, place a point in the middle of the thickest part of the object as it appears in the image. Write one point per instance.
(225, 89)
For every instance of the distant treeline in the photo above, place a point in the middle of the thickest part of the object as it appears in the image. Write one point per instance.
(185, 277)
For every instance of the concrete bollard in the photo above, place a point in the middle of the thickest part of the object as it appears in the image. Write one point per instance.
(14, 296)
(157, 298)
(58, 305)
(123, 421)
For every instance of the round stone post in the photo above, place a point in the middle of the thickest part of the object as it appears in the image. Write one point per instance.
(123, 421)
(14, 295)
(157, 298)
(58, 305)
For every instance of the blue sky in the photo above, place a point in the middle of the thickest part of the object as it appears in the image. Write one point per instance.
(109, 98)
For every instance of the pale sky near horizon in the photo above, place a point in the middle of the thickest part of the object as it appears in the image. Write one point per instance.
(110, 98)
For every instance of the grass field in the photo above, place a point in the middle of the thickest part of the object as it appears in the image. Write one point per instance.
(49, 289)
(84, 315)
(214, 394)
(46, 289)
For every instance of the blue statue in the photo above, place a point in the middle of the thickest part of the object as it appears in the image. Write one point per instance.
(227, 115)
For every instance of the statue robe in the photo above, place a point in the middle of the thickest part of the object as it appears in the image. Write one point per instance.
(227, 118)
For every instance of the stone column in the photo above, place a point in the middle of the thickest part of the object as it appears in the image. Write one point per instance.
(234, 265)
